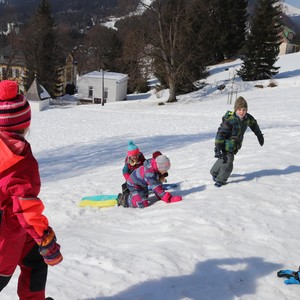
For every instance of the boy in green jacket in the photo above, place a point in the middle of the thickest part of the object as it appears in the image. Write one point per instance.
(229, 139)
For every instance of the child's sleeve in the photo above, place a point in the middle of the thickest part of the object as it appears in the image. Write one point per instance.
(224, 132)
(254, 125)
(155, 184)
(126, 171)
(24, 188)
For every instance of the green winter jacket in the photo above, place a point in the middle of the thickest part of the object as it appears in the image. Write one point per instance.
(230, 134)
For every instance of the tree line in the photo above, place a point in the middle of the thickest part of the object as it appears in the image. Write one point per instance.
(175, 40)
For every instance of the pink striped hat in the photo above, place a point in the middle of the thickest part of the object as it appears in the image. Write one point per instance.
(15, 112)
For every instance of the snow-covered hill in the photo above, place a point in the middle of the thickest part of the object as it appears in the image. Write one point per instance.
(290, 10)
(294, 3)
(218, 243)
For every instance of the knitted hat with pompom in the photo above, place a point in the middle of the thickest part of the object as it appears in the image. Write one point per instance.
(132, 149)
(15, 112)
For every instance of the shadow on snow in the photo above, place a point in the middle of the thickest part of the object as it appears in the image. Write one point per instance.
(264, 173)
(225, 279)
(71, 161)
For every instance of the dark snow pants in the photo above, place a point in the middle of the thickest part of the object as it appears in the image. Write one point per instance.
(220, 170)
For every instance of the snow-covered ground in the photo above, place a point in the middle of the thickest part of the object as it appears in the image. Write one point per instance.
(218, 243)
(140, 9)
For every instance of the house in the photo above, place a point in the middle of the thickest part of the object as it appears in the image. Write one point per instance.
(37, 96)
(287, 37)
(98, 85)
(68, 76)
(12, 65)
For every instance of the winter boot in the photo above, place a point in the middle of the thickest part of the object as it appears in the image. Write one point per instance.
(218, 184)
(122, 199)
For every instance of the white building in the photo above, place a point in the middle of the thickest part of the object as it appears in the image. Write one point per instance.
(98, 85)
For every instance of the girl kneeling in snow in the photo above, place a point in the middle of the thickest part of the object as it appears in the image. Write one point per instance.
(149, 175)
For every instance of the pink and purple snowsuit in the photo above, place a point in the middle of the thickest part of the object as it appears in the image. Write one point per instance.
(138, 182)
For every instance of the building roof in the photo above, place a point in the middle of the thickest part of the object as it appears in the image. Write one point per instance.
(36, 92)
(288, 33)
(107, 75)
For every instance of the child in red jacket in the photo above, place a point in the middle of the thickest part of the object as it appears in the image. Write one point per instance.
(26, 239)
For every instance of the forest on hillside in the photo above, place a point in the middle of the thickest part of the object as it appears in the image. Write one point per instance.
(68, 10)
(173, 40)
(79, 13)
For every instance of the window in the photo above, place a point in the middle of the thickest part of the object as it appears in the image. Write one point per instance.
(90, 92)
(17, 73)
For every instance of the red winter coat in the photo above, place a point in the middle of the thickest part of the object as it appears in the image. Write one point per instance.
(19, 188)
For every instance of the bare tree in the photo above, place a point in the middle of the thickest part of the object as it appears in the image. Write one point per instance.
(100, 50)
(11, 41)
(175, 43)
(165, 38)
(135, 59)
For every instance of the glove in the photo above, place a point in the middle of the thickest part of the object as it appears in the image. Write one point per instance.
(221, 154)
(162, 177)
(146, 203)
(49, 249)
(261, 139)
(292, 280)
(218, 152)
(292, 276)
(168, 198)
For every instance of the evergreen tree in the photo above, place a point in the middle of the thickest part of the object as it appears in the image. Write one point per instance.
(262, 45)
(101, 50)
(227, 20)
(236, 27)
(41, 51)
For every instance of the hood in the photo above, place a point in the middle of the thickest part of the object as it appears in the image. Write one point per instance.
(11, 147)
(153, 164)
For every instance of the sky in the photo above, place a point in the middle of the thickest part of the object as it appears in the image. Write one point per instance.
(218, 243)
(295, 3)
